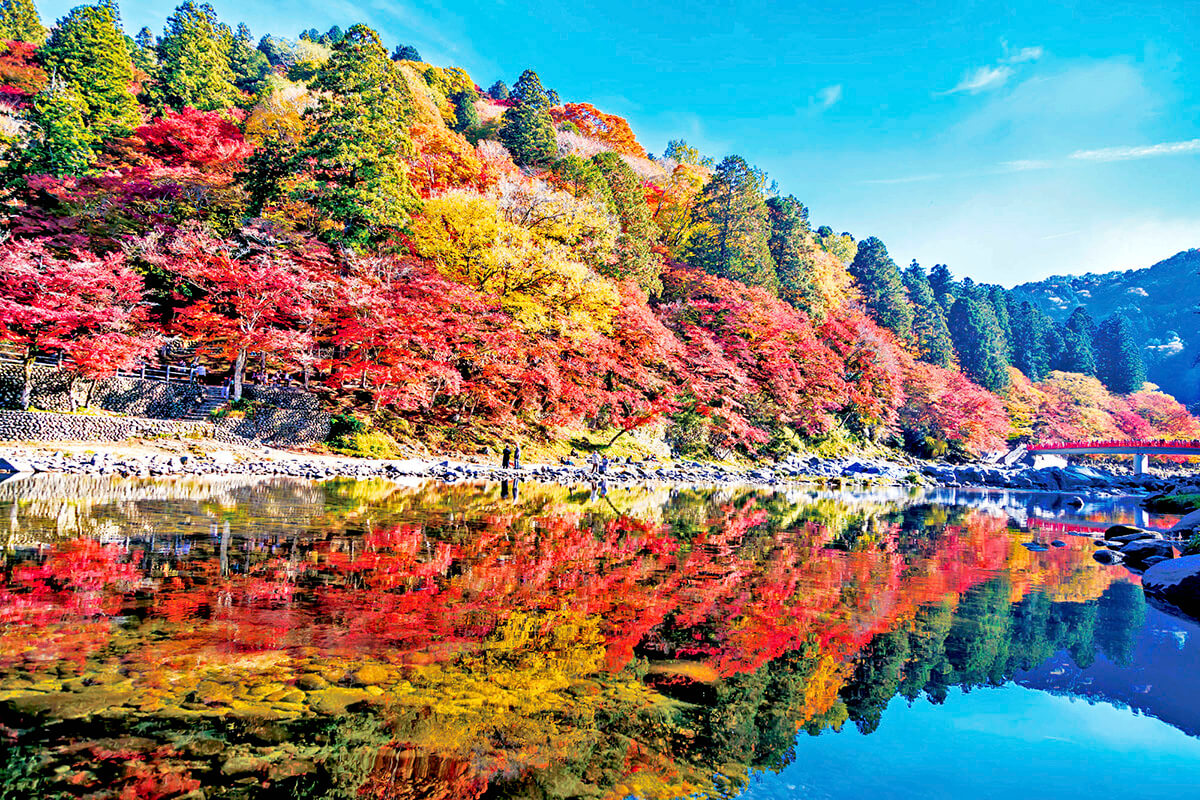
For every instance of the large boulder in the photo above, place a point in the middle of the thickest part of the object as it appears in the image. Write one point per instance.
(1190, 522)
(1121, 530)
(1137, 552)
(1176, 581)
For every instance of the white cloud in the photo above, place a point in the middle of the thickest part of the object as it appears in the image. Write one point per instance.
(980, 80)
(826, 98)
(1022, 55)
(1143, 151)
(1070, 104)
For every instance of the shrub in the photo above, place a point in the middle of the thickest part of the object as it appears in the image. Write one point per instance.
(367, 444)
(342, 424)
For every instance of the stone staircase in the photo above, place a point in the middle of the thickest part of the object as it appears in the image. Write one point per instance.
(214, 398)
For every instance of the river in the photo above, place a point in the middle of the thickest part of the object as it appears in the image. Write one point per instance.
(246, 638)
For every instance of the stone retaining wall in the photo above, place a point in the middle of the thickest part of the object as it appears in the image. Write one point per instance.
(52, 391)
(40, 426)
(283, 416)
(280, 426)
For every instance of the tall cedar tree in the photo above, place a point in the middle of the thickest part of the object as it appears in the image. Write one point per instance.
(627, 201)
(979, 342)
(789, 244)
(465, 115)
(59, 141)
(941, 280)
(88, 51)
(1030, 328)
(733, 228)
(882, 289)
(19, 20)
(1078, 352)
(929, 319)
(356, 154)
(1119, 364)
(998, 297)
(527, 129)
(405, 52)
(250, 67)
(194, 55)
(498, 91)
(582, 178)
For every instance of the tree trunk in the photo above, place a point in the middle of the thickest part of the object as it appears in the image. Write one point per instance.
(87, 398)
(239, 366)
(27, 381)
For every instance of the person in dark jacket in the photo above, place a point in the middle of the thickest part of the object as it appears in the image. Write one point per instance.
(516, 462)
(507, 458)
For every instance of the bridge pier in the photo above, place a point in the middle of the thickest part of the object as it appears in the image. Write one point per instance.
(1139, 463)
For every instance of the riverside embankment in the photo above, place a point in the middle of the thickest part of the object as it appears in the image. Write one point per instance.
(158, 457)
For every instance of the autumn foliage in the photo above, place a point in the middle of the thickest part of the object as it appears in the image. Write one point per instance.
(356, 221)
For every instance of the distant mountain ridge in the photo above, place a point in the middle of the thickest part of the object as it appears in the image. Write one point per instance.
(1161, 301)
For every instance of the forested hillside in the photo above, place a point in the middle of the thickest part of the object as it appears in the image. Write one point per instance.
(1161, 303)
(457, 265)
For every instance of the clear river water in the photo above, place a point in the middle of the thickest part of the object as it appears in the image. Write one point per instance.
(244, 638)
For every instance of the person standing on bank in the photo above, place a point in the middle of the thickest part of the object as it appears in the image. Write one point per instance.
(516, 462)
(506, 459)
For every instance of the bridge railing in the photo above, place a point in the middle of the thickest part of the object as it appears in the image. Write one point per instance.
(1129, 443)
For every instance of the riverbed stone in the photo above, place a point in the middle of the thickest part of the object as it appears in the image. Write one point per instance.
(1139, 551)
(1176, 581)
(1107, 556)
(1122, 530)
(336, 699)
(371, 675)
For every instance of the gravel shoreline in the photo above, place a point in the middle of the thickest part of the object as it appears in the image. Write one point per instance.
(163, 458)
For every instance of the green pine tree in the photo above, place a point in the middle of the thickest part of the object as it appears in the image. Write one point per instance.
(733, 228)
(582, 178)
(634, 258)
(1030, 329)
(1119, 363)
(195, 58)
(498, 91)
(791, 246)
(19, 20)
(405, 52)
(465, 115)
(89, 52)
(250, 67)
(998, 296)
(1078, 350)
(883, 291)
(526, 128)
(929, 318)
(356, 154)
(60, 142)
(941, 280)
(979, 342)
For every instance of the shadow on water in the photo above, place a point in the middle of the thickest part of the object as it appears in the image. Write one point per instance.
(242, 638)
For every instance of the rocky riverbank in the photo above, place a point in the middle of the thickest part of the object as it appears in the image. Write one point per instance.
(157, 458)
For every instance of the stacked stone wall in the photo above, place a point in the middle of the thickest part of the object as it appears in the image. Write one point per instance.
(43, 426)
(281, 416)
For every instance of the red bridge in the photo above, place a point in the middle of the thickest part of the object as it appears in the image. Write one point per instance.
(1137, 448)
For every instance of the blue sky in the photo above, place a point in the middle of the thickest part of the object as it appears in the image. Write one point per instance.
(1010, 140)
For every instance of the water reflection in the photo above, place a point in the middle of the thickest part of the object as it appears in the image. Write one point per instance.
(287, 638)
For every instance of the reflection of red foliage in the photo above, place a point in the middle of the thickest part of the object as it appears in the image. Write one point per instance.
(736, 594)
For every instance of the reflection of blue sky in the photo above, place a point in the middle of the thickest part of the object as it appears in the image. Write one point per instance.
(1009, 742)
